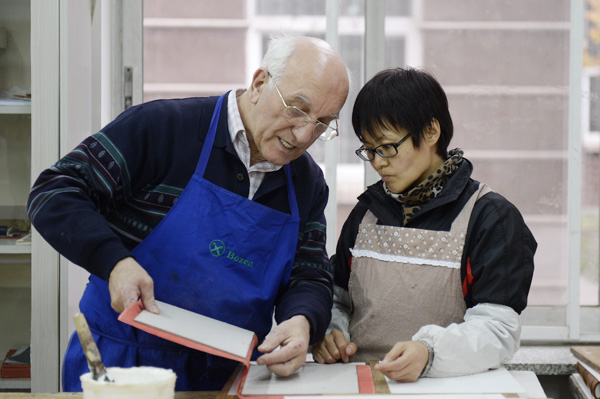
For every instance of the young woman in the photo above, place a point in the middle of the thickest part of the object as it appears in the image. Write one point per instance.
(432, 268)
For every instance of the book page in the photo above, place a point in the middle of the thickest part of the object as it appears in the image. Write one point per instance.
(415, 396)
(493, 381)
(310, 379)
(198, 328)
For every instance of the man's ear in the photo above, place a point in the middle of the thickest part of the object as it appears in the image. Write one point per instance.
(259, 80)
(432, 132)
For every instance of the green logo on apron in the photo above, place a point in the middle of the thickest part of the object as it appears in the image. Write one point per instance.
(217, 248)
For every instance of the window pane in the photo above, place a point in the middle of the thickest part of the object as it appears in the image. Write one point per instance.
(594, 104)
(507, 85)
(290, 7)
(317, 7)
(590, 240)
(503, 64)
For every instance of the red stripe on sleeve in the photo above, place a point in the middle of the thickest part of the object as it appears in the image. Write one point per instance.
(468, 281)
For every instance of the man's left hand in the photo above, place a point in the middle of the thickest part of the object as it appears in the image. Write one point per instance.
(292, 336)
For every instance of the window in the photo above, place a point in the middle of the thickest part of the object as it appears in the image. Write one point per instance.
(506, 70)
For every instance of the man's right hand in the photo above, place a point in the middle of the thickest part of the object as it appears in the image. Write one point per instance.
(127, 282)
(333, 347)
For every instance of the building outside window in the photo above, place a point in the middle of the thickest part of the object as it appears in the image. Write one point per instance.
(505, 67)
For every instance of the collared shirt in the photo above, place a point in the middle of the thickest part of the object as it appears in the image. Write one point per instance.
(256, 172)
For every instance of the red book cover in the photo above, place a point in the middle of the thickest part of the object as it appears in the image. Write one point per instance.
(220, 339)
(14, 370)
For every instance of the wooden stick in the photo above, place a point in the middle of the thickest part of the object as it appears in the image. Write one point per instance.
(90, 350)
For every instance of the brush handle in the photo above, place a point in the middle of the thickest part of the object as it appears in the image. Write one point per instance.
(90, 350)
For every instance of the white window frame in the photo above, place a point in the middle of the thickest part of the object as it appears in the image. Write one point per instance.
(541, 323)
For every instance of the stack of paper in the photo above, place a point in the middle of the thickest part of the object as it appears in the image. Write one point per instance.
(588, 366)
(16, 364)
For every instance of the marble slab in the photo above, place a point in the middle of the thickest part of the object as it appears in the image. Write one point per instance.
(544, 360)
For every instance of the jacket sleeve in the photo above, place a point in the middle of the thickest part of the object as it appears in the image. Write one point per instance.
(497, 272)
(342, 262)
(498, 255)
(488, 338)
(340, 312)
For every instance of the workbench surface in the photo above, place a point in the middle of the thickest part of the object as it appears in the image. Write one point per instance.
(70, 395)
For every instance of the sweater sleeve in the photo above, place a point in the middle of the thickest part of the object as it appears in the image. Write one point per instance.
(76, 203)
(309, 291)
(67, 201)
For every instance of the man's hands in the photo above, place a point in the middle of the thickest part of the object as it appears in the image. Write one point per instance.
(333, 347)
(127, 282)
(292, 336)
(405, 362)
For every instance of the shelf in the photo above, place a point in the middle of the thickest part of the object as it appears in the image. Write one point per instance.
(15, 383)
(15, 106)
(16, 156)
(9, 246)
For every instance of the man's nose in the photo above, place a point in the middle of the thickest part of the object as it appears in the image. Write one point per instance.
(304, 134)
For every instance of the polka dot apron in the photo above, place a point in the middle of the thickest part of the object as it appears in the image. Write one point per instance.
(403, 279)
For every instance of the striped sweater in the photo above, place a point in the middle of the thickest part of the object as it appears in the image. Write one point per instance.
(104, 197)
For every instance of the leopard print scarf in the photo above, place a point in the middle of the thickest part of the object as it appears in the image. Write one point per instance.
(414, 198)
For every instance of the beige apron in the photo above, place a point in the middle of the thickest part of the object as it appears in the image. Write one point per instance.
(403, 279)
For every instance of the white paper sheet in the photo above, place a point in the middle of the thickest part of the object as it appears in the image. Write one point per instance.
(435, 396)
(581, 387)
(310, 379)
(204, 330)
(529, 382)
(493, 381)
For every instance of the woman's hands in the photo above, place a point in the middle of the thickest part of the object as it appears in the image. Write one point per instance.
(333, 347)
(405, 362)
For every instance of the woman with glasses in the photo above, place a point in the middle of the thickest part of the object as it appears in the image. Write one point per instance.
(432, 268)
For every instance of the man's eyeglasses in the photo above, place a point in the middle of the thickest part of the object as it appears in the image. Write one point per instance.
(299, 118)
(384, 150)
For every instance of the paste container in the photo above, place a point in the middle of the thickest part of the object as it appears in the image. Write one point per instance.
(131, 383)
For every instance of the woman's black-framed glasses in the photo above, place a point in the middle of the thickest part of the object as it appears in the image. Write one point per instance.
(299, 118)
(384, 150)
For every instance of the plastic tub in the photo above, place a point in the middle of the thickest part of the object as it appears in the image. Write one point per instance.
(131, 383)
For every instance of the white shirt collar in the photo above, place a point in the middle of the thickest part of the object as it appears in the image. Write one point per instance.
(238, 135)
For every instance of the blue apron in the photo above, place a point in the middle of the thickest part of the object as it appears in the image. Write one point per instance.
(215, 253)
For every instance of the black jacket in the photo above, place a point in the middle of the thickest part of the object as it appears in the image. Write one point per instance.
(499, 247)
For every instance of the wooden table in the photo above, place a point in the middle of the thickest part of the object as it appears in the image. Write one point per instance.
(68, 395)
(381, 387)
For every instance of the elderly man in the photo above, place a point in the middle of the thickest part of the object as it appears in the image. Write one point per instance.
(210, 204)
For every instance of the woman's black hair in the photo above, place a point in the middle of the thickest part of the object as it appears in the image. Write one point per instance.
(403, 98)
